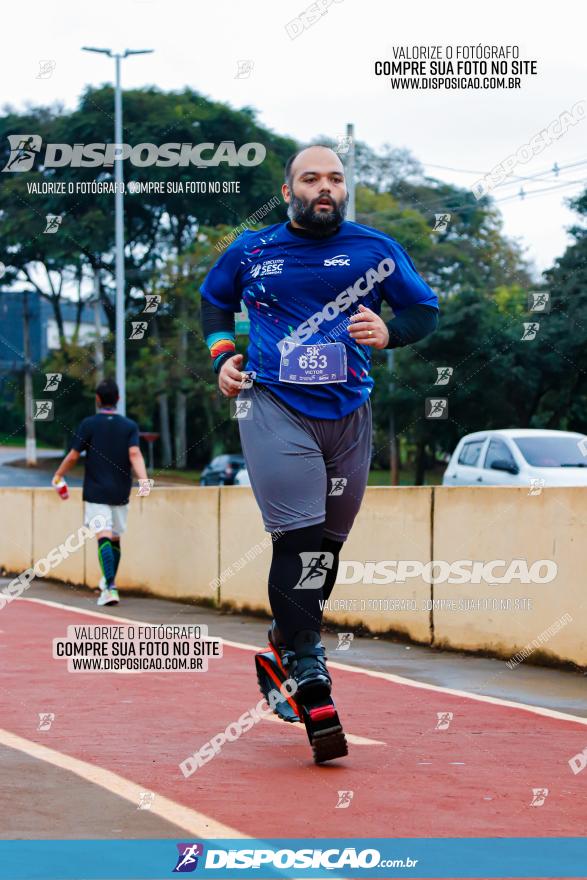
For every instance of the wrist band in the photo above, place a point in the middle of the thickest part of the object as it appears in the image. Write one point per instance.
(221, 345)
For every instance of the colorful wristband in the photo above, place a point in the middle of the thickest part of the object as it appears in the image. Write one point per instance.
(221, 346)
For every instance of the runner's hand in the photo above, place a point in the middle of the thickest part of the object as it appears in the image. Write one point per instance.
(367, 328)
(230, 377)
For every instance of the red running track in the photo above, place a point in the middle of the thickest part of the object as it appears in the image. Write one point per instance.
(473, 780)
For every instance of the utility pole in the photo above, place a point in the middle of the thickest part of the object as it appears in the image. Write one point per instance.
(119, 220)
(98, 345)
(31, 441)
(350, 171)
(119, 243)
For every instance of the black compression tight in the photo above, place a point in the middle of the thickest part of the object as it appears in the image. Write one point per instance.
(295, 602)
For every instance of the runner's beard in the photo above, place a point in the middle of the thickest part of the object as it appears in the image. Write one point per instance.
(319, 222)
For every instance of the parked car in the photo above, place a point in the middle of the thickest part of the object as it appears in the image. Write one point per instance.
(242, 478)
(515, 456)
(222, 470)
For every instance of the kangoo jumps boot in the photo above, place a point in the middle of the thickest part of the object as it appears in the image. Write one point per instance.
(306, 664)
(272, 675)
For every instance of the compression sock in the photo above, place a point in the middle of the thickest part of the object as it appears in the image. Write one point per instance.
(295, 580)
(117, 553)
(106, 557)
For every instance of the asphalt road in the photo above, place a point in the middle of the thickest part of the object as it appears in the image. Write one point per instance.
(29, 477)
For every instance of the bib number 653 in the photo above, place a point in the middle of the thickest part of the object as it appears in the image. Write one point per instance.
(312, 361)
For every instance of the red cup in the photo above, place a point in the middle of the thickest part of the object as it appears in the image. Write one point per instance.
(62, 489)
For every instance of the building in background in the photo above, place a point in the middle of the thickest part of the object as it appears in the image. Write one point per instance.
(44, 335)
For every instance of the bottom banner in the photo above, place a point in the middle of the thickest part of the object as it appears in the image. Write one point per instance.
(531, 857)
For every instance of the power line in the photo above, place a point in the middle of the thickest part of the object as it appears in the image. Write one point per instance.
(554, 169)
(544, 189)
(446, 168)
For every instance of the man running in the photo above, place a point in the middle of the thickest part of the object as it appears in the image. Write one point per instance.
(313, 288)
(111, 444)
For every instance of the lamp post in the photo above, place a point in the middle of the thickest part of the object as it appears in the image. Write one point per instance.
(119, 218)
(350, 171)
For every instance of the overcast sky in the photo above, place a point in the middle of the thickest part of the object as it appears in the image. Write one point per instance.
(324, 78)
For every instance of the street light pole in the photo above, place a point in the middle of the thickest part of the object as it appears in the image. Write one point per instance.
(350, 172)
(119, 244)
(31, 441)
(119, 220)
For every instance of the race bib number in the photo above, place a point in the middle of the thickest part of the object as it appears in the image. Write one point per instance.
(313, 364)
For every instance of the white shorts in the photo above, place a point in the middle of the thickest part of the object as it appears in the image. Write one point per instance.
(115, 516)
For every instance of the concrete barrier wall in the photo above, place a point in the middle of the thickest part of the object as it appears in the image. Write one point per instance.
(245, 551)
(392, 524)
(508, 523)
(171, 545)
(53, 521)
(209, 544)
(16, 529)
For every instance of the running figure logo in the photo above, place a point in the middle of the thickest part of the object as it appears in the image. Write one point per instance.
(53, 223)
(153, 301)
(444, 375)
(249, 378)
(43, 410)
(344, 641)
(146, 799)
(436, 408)
(241, 409)
(539, 302)
(344, 799)
(52, 381)
(187, 860)
(315, 567)
(539, 795)
(46, 719)
(444, 719)
(337, 485)
(139, 328)
(46, 69)
(441, 222)
(23, 150)
(537, 484)
(531, 328)
(344, 144)
(244, 68)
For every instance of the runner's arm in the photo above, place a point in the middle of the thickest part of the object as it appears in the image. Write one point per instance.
(221, 298)
(81, 440)
(68, 462)
(414, 303)
(219, 333)
(411, 325)
(137, 462)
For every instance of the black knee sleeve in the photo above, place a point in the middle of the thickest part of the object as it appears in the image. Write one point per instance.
(334, 547)
(295, 580)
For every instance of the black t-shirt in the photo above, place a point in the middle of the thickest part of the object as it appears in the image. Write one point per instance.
(106, 438)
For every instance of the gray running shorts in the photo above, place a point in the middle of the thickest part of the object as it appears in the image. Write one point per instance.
(305, 471)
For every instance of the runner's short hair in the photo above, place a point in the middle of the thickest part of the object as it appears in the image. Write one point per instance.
(292, 159)
(107, 391)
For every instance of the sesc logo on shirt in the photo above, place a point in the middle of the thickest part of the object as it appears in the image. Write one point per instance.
(338, 260)
(268, 267)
